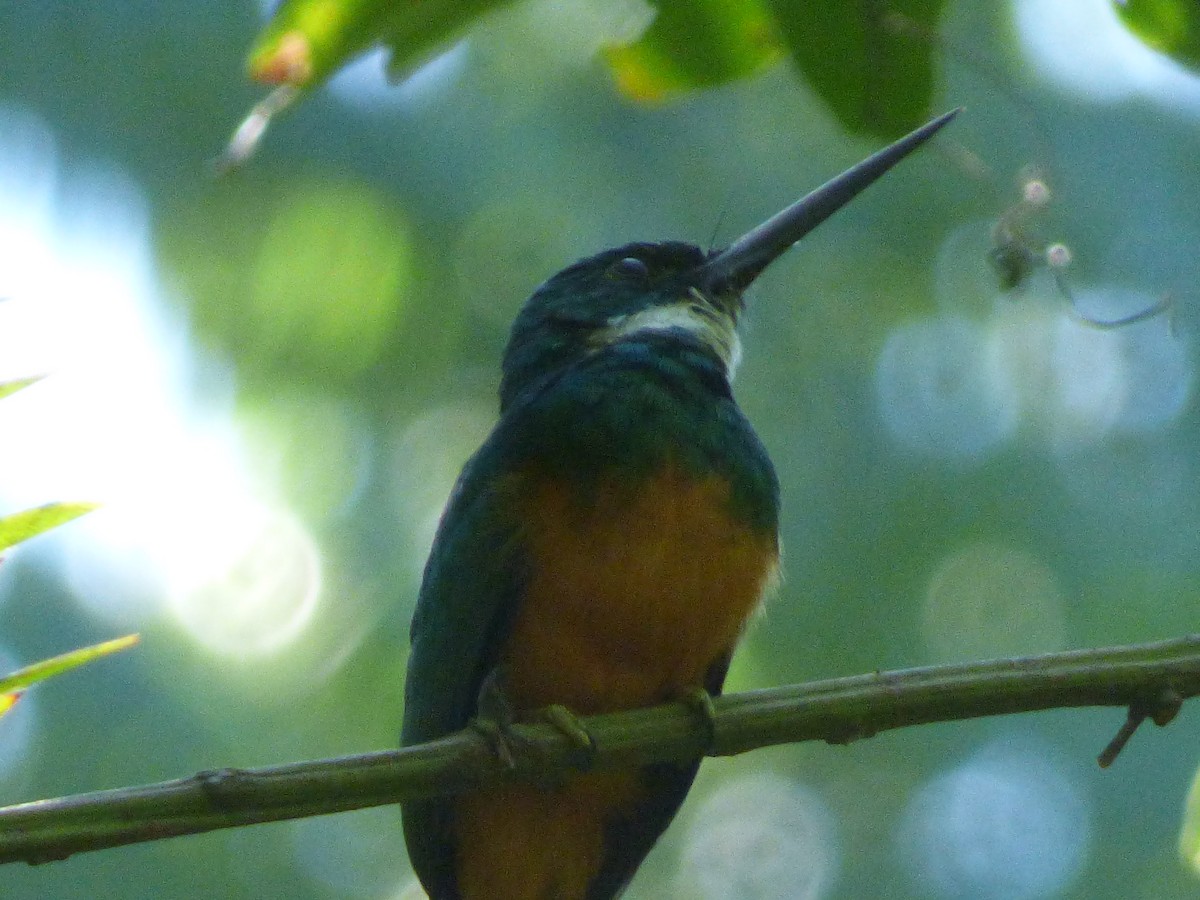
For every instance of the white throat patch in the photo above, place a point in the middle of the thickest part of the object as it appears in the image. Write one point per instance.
(695, 316)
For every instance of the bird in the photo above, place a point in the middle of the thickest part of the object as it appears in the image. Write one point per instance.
(602, 550)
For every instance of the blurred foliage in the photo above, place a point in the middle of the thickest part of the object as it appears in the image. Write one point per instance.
(692, 44)
(329, 266)
(871, 62)
(1169, 26)
(307, 40)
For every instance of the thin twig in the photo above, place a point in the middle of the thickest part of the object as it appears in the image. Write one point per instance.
(1140, 677)
(1161, 710)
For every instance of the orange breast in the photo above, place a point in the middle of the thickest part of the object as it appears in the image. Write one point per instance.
(635, 591)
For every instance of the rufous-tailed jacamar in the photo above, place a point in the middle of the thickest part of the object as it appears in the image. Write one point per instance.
(602, 550)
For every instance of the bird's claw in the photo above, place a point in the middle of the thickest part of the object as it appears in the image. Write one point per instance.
(569, 724)
(499, 737)
(496, 718)
(700, 701)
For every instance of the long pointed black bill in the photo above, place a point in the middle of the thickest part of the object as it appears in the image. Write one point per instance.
(743, 260)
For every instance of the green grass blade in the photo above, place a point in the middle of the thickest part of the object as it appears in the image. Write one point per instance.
(56, 665)
(31, 522)
(11, 387)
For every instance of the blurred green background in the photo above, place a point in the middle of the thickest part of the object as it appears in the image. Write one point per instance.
(271, 380)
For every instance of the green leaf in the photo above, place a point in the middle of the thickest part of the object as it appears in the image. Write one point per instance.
(56, 665)
(11, 387)
(31, 522)
(871, 62)
(1169, 26)
(8, 701)
(307, 40)
(693, 44)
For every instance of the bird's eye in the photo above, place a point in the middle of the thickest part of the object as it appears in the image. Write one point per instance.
(630, 267)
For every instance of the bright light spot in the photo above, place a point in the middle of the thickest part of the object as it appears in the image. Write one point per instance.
(255, 587)
(16, 726)
(759, 837)
(81, 308)
(1058, 256)
(429, 454)
(1084, 47)
(112, 423)
(352, 854)
(1079, 383)
(1035, 192)
(1005, 825)
(122, 559)
(987, 600)
(941, 394)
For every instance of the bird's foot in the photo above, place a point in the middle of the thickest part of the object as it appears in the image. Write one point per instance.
(569, 724)
(496, 719)
(700, 701)
(499, 737)
(497, 716)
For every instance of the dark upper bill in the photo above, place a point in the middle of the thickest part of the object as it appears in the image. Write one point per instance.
(742, 261)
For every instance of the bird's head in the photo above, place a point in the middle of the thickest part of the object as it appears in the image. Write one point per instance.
(671, 287)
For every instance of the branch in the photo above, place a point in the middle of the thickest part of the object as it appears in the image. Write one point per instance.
(1151, 680)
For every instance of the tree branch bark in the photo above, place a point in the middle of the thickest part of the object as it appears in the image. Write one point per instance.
(1151, 680)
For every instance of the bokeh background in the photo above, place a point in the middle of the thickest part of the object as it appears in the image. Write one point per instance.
(271, 379)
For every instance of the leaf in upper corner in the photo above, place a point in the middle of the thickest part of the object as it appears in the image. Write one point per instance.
(31, 522)
(307, 40)
(56, 665)
(1169, 26)
(871, 62)
(11, 387)
(695, 43)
